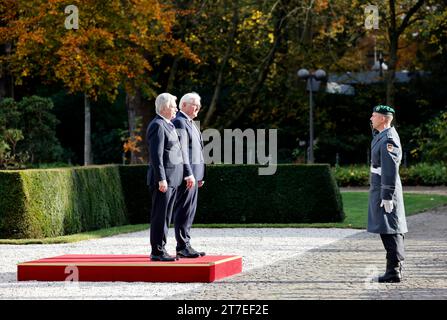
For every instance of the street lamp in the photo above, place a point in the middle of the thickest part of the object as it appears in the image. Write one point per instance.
(313, 84)
(379, 64)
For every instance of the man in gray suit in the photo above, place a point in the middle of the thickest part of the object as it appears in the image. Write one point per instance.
(192, 148)
(386, 212)
(166, 172)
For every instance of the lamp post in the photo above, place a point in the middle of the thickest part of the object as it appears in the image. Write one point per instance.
(313, 84)
(379, 64)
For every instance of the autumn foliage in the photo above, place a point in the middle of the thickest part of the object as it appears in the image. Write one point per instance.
(116, 43)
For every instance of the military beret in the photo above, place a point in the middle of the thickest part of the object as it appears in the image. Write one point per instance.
(384, 110)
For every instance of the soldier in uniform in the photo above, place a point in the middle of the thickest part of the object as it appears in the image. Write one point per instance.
(386, 212)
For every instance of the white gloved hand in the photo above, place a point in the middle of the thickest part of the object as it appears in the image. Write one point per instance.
(388, 204)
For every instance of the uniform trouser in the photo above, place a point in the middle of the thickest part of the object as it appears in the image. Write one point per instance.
(394, 246)
(162, 206)
(184, 213)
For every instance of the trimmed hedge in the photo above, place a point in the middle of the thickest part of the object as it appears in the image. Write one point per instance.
(296, 193)
(237, 194)
(136, 193)
(421, 174)
(54, 202)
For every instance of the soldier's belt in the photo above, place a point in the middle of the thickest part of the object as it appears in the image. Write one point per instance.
(376, 170)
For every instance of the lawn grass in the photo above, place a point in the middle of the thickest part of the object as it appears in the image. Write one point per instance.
(355, 206)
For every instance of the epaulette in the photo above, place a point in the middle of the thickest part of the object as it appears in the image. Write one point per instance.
(389, 134)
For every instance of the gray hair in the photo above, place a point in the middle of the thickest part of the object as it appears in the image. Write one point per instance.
(163, 101)
(189, 98)
(388, 117)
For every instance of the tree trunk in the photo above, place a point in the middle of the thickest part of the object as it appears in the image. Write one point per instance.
(230, 45)
(391, 73)
(132, 122)
(393, 45)
(172, 74)
(394, 32)
(138, 110)
(6, 79)
(87, 132)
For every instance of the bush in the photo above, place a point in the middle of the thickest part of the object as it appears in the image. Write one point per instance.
(27, 132)
(351, 176)
(421, 174)
(431, 139)
(296, 193)
(55, 202)
(46, 203)
(237, 194)
(38, 125)
(136, 193)
(10, 135)
(425, 174)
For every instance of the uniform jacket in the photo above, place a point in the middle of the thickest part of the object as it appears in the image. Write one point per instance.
(386, 155)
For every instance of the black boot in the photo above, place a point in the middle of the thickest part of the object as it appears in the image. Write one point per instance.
(393, 272)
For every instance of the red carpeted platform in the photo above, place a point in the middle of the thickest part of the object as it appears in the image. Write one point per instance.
(128, 268)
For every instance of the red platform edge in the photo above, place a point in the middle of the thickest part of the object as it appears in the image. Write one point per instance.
(128, 268)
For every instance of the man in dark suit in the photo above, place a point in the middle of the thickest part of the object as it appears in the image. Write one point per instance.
(165, 174)
(192, 147)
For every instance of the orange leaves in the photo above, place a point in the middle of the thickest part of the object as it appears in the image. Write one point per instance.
(110, 47)
(321, 5)
(131, 145)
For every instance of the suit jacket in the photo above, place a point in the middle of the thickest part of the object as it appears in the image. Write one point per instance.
(165, 156)
(386, 154)
(192, 146)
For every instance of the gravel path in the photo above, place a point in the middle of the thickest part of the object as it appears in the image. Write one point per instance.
(344, 269)
(259, 248)
(277, 264)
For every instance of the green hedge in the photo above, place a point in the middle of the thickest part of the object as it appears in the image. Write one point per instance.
(425, 174)
(296, 193)
(421, 174)
(136, 193)
(54, 202)
(237, 194)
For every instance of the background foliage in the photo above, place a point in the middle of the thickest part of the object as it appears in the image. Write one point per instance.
(241, 56)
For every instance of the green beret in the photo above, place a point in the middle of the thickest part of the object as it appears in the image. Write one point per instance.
(384, 110)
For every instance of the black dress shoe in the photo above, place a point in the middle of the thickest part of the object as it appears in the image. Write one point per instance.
(201, 253)
(163, 257)
(188, 252)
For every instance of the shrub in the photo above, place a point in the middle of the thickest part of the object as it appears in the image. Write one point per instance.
(421, 174)
(54, 202)
(38, 125)
(351, 176)
(136, 193)
(27, 132)
(425, 174)
(237, 194)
